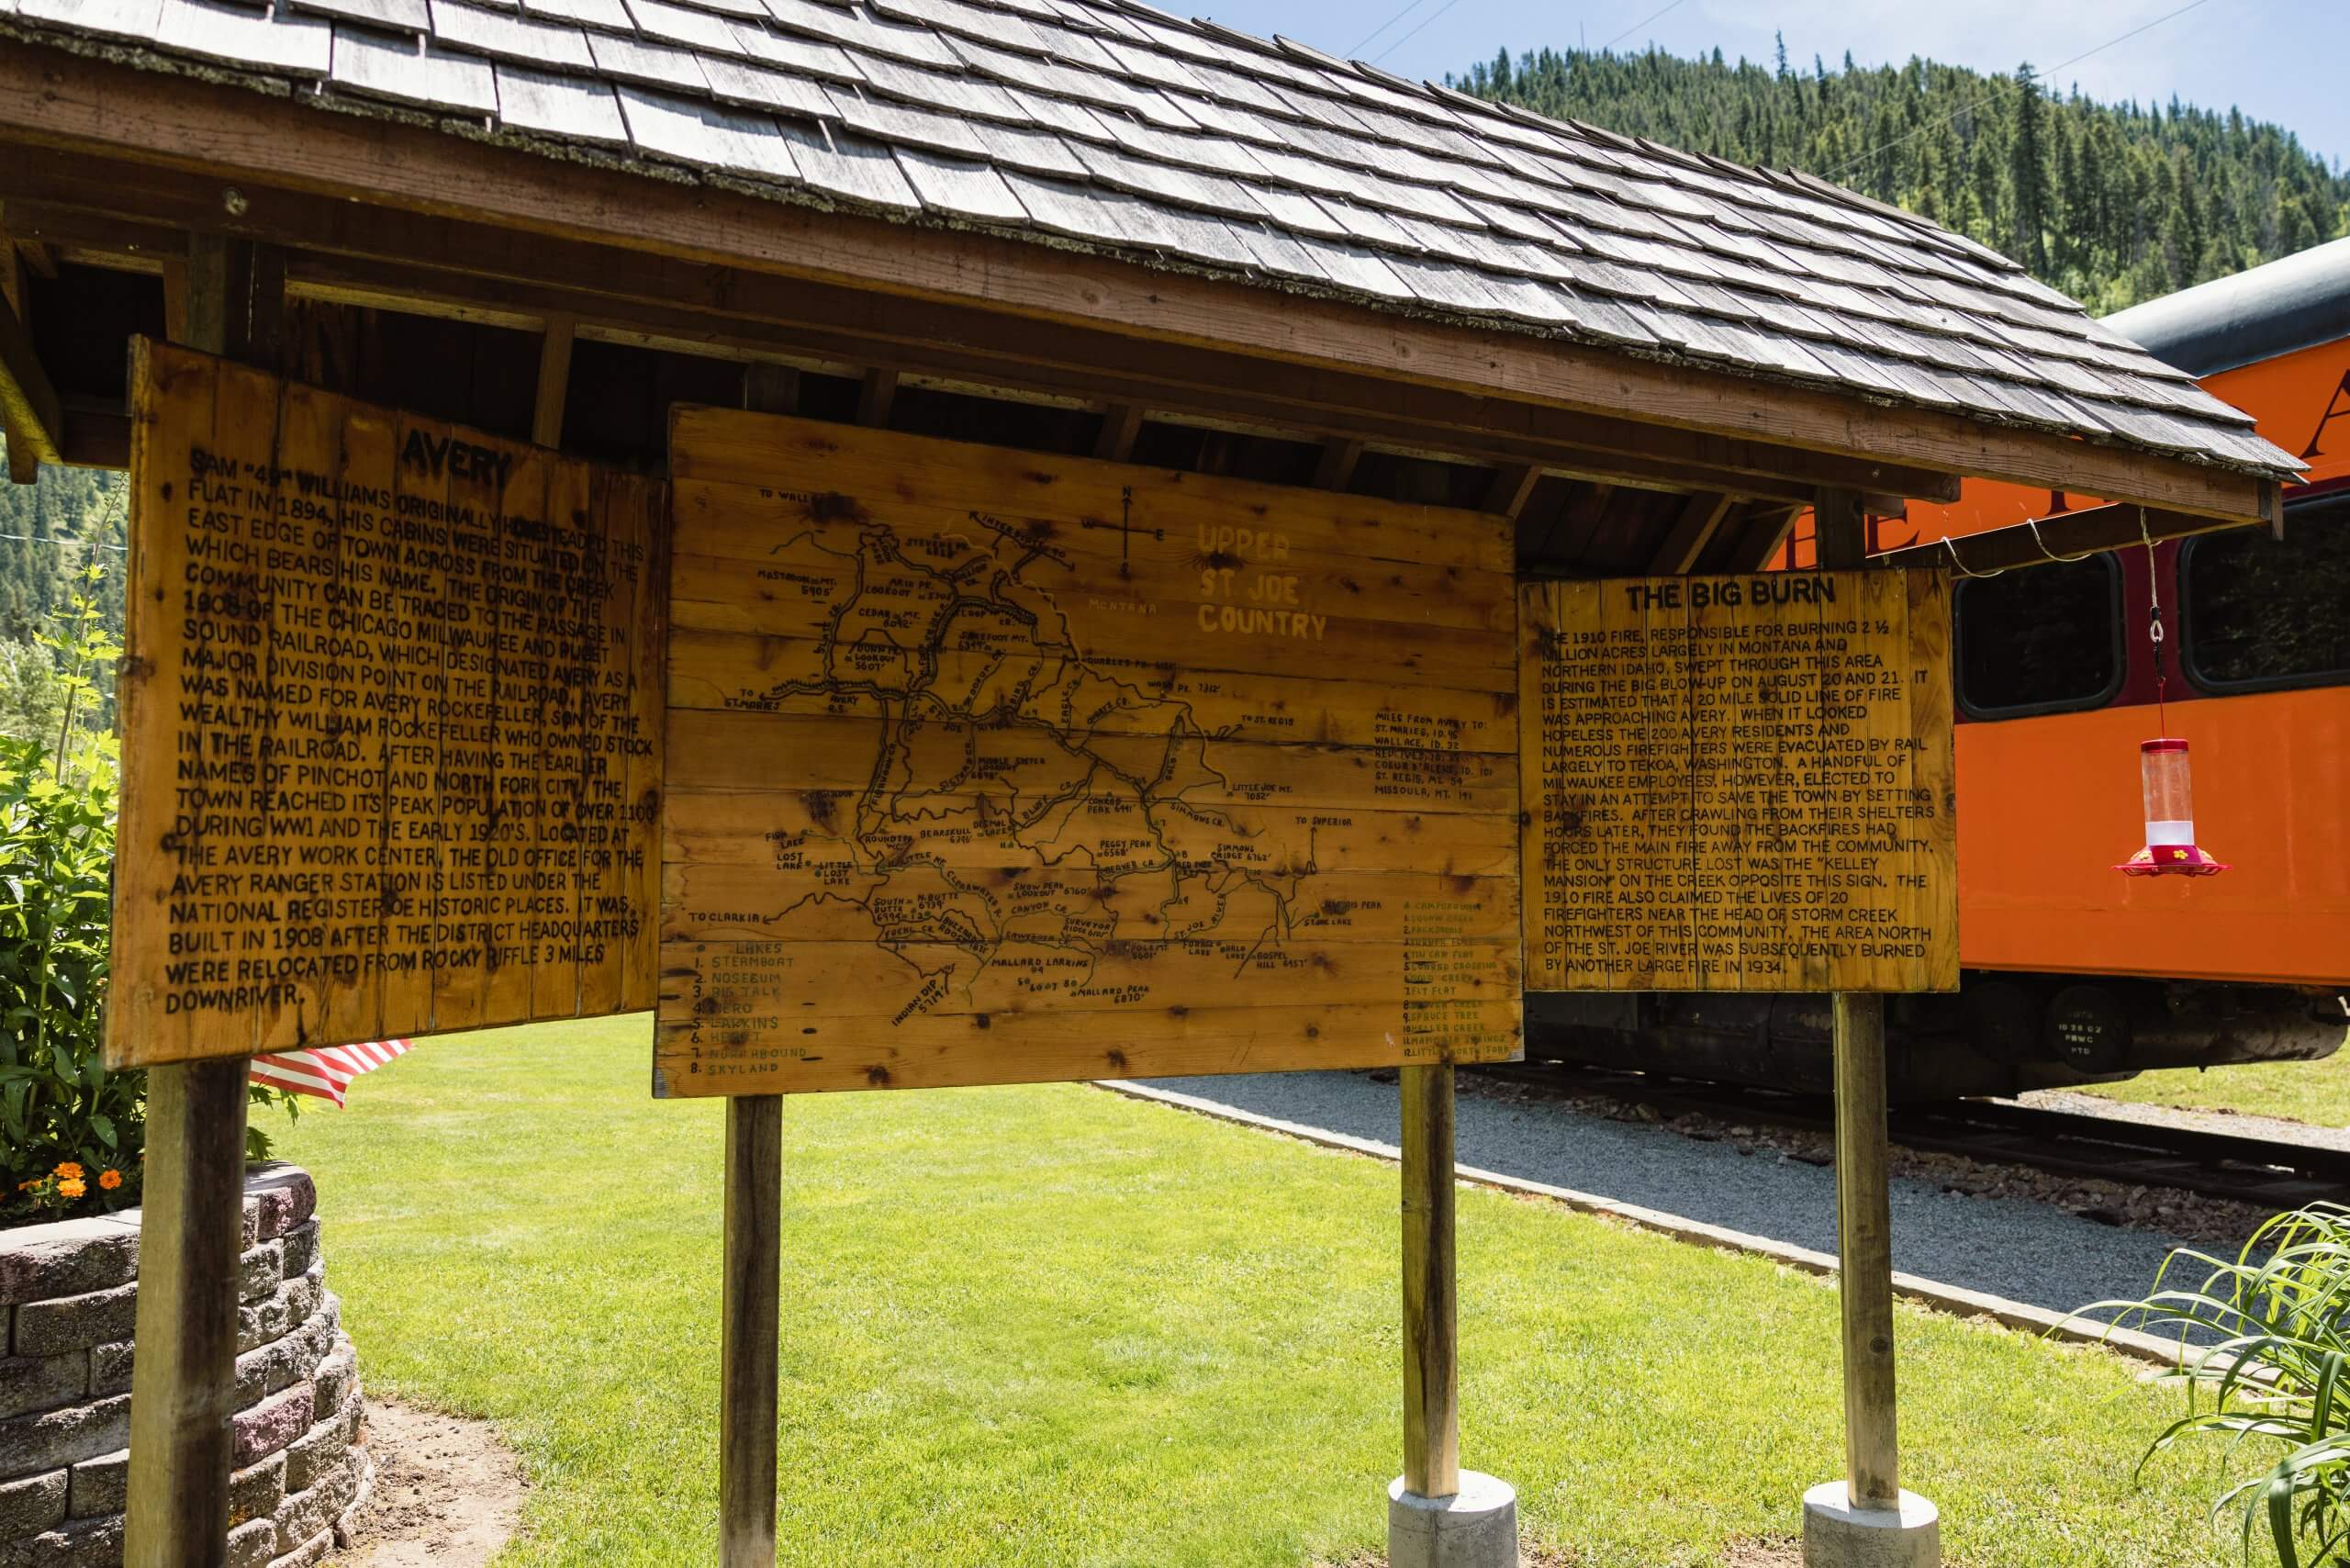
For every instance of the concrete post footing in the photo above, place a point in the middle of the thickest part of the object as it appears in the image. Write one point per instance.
(1475, 1528)
(1838, 1535)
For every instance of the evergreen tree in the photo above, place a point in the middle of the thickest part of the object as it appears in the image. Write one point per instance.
(2028, 175)
(2111, 203)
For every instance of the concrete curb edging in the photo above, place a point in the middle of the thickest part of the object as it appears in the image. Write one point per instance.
(1952, 1299)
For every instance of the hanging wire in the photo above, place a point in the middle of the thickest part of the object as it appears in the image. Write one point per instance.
(1962, 569)
(2033, 524)
(2154, 620)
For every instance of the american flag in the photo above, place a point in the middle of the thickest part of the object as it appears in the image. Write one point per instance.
(326, 1071)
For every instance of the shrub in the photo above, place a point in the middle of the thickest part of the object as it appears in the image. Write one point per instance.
(2265, 1336)
(71, 1132)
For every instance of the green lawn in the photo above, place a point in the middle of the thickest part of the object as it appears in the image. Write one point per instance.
(1031, 1327)
(2317, 1093)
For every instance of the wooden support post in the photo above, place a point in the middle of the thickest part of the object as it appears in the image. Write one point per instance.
(204, 312)
(747, 1417)
(875, 397)
(184, 1388)
(554, 381)
(1864, 1252)
(1121, 422)
(1431, 1374)
(185, 1382)
(1841, 530)
(771, 388)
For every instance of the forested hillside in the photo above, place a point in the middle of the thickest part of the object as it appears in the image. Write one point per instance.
(2111, 203)
(49, 534)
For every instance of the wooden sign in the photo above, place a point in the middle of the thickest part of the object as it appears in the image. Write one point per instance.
(991, 767)
(1740, 783)
(391, 724)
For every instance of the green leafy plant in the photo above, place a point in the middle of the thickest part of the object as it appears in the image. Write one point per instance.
(71, 1132)
(2265, 1336)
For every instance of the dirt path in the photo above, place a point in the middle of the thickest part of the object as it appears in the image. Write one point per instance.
(447, 1493)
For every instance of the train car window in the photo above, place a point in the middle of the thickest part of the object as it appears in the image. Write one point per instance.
(2264, 612)
(2039, 640)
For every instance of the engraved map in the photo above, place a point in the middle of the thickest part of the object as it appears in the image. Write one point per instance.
(979, 779)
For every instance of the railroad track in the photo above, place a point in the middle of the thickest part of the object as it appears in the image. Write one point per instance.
(2222, 1165)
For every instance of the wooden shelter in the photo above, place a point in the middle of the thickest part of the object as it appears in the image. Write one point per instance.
(1073, 226)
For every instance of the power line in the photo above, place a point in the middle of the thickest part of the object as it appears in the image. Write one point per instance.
(1969, 108)
(66, 539)
(1356, 52)
(1636, 27)
(1407, 38)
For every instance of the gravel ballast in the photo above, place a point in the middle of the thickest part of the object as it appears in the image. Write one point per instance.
(2024, 1250)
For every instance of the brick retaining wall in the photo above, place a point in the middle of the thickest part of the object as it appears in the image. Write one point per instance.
(67, 1295)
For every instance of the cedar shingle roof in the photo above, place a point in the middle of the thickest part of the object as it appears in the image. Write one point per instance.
(1110, 126)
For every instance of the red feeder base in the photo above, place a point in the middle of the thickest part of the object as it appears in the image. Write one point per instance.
(2171, 860)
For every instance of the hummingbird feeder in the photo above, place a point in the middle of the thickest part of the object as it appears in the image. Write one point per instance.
(2170, 849)
(2169, 789)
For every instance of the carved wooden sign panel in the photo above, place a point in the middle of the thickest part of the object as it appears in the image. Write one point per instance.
(391, 724)
(990, 767)
(1740, 783)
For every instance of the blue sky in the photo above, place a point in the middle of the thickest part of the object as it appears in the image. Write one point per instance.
(2276, 60)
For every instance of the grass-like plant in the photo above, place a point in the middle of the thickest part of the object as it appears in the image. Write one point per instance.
(2265, 1338)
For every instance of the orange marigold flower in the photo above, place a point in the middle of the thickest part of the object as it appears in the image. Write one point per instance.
(109, 1180)
(70, 1187)
(70, 1171)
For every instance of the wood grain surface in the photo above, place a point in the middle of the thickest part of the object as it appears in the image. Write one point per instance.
(391, 703)
(1740, 783)
(992, 767)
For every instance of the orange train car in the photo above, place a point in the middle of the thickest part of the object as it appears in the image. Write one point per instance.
(2073, 972)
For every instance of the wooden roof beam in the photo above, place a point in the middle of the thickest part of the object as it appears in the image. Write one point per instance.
(526, 306)
(1088, 362)
(2057, 539)
(52, 98)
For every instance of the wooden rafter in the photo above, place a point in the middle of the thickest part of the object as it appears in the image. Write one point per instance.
(271, 147)
(1121, 422)
(554, 381)
(1507, 491)
(1692, 531)
(1571, 532)
(35, 418)
(1761, 537)
(1334, 469)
